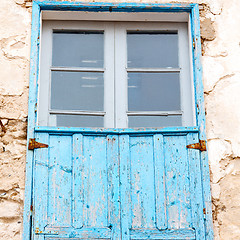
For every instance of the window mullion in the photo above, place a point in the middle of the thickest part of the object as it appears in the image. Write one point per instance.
(109, 75)
(120, 76)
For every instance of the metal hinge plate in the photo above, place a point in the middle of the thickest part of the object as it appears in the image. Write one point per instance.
(200, 146)
(34, 144)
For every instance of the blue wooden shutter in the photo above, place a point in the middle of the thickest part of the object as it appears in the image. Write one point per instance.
(76, 184)
(161, 192)
(118, 186)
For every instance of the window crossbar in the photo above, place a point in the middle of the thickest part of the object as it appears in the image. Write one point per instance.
(66, 112)
(154, 113)
(154, 70)
(77, 69)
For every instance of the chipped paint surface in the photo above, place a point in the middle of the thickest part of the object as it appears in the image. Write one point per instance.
(220, 49)
(113, 178)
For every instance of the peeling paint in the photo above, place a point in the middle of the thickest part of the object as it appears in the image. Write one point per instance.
(219, 21)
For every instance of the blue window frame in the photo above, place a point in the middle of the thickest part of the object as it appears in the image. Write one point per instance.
(192, 9)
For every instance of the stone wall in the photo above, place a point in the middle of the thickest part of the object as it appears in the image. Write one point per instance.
(220, 23)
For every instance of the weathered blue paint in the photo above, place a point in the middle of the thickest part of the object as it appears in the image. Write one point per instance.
(201, 121)
(71, 130)
(124, 156)
(34, 57)
(126, 183)
(115, 7)
(195, 188)
(114, 191)
(161, 221)
(77, 180)
(40, 197)
(118, 186)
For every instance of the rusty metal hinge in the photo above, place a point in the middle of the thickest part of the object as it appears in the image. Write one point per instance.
(33, 144)
(201, 145)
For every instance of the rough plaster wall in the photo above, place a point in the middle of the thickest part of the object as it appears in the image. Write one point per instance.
(14, 64)
(220, 22)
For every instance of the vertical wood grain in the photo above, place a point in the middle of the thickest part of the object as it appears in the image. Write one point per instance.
(177, 188)
(196, 188)
(113, 181)
(160, 182)
(95, 187)
(125, 186)
(60, 181)
(77, 185)
(41, 168)
(142, 182)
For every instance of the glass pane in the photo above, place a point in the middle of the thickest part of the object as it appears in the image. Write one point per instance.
(76, 121)
(78, 49)
(152, 49)
(153, 92)
(77, 91)
(154, 121)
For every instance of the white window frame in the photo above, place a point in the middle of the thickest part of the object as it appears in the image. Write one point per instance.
(46, 68)
(115, 92)
(121, 70)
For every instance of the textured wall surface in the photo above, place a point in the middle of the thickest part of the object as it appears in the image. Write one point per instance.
(220, 23)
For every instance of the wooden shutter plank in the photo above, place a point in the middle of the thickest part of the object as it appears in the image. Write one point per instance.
(161, 218)
(77, 181)
(40, 195)
(113, 186)
(196, 189)
(175, 157)
(124, 186)
(183, 184)
(60, 181)
(95, 183)
(142, 182)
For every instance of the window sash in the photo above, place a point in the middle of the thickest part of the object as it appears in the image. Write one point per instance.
(115, 67)
(186, 85)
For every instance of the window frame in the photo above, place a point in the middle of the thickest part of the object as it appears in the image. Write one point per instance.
(187, 112)
(115, 70)
(38, 6)
(44, 118)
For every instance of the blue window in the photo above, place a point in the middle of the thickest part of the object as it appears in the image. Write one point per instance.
(116, 133)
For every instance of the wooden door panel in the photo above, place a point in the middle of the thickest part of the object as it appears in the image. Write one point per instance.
(60, 181)
(158, 197)
(142, 182)
(79, 187)
(178, 205)
(117, 186)
(95, 182)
